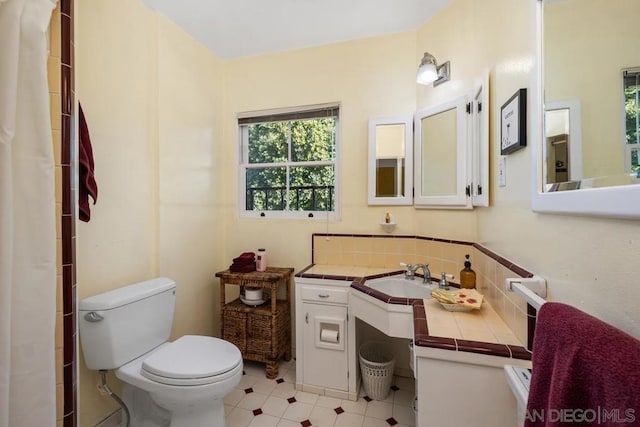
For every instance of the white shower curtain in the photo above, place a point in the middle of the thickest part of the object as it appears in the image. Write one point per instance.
(27, 219)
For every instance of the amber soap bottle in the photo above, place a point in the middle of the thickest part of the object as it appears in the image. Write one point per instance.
(467, 275)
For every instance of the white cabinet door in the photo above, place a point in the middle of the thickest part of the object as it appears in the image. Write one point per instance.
(325, 362)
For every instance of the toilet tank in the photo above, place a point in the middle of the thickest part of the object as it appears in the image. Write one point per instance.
(123, 324)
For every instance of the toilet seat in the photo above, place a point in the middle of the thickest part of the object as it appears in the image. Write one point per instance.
(192, 360)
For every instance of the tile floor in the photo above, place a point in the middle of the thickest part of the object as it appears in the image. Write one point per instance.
(260, 402)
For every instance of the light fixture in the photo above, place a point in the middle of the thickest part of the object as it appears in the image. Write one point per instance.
(430, 72)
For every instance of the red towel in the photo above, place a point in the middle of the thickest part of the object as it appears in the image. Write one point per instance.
(234, 268)
(87, 183)
(245, 258)
(584, 371)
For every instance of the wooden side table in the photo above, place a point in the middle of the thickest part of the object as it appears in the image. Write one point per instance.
(262, 333)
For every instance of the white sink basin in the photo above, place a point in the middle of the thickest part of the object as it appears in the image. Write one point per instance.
(398, 286)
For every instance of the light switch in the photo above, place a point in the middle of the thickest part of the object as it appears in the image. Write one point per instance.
(502, 172)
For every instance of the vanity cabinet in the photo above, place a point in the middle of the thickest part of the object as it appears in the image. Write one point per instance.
(262, 332)
(325, 339)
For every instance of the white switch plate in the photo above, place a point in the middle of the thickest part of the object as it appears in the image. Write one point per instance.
(502, 172)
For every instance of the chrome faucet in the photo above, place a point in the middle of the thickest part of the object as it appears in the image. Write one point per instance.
(426, 274)
(410, 272)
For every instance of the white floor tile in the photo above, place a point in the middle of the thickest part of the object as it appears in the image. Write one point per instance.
(284, 390)
(271, 397)
(358, 407)
(288, 423)
(329, 402)
(306, 397)
(347, 419)
(381, 410)
(264, 385)
(275, 406)
(247, 381)
(253, 401)
(239, 418)
(264, 420)
(298, 411)
(322, 417)
(404, 415)
(234, 397)
(374, 422)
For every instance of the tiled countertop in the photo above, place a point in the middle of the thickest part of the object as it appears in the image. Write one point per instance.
(481, 331)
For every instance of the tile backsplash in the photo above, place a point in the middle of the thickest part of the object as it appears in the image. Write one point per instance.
(447, 256)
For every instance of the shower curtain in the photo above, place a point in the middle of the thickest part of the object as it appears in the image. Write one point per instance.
(27, 219)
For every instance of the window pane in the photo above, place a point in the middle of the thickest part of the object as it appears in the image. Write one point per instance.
(268, 142)
(311, 188)
(266, 189)
(632, 107)
(313, 140)
(635, 161)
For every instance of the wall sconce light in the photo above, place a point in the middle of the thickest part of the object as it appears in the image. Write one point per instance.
(430, 72)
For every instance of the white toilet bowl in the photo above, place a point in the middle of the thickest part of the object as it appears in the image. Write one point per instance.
(188, 377)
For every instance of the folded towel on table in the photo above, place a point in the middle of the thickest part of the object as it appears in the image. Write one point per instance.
(245, 258)
(248, 268)
(582, 367)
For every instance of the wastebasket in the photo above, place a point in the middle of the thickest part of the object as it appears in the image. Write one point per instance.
(376, 367)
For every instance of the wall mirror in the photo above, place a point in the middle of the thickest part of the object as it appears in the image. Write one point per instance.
(390, 167)
(588, 116)
(441, 155)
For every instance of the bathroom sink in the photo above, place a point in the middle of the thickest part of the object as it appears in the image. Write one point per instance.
(399, 286)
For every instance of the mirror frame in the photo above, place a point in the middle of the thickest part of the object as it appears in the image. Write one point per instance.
(407, 199)
(613, 202)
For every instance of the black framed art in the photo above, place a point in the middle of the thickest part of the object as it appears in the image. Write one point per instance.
(513, 123)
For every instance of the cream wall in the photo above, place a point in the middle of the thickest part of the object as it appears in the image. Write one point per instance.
(152, 98)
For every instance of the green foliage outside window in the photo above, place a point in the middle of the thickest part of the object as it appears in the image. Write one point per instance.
(296, 170)
(632, 117)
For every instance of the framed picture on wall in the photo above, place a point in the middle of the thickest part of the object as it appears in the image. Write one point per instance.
(513, 123)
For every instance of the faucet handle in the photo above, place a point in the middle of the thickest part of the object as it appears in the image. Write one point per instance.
(443, 280)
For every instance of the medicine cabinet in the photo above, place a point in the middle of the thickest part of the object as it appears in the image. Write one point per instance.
(441, 150)
(390, 161)
(437, 159)
(452, 152)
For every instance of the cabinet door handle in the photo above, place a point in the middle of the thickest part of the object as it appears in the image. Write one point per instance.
(323, 295)
(306, 318)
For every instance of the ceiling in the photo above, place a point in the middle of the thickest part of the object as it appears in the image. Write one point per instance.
(240, 28)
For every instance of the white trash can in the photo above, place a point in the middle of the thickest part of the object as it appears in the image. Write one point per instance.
(376, 367)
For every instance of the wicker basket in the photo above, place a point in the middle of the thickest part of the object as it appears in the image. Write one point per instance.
(376, 366)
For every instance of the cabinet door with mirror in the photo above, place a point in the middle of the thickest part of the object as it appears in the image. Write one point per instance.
(452, 152)
(586, 133)
(442, 150)
(391, 161)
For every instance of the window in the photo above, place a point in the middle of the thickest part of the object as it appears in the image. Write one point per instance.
(288, 164)
(631, 88)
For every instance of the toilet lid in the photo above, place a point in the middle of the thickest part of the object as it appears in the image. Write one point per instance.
(193, 356)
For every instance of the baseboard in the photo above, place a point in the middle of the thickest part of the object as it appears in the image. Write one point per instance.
(113, 420)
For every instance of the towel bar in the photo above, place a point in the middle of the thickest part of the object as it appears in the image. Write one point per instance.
(532, 289)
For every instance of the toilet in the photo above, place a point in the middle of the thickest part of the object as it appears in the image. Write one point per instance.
(178, 384)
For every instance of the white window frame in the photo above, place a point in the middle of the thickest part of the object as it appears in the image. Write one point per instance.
(243, 152)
